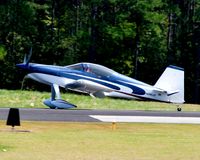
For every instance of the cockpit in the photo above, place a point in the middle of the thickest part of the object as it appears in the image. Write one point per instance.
(98, 70)
(102, 72)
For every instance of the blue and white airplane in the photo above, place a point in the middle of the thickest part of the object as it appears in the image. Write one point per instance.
(99, 81)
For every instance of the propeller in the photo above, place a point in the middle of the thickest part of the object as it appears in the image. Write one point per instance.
(28, 57)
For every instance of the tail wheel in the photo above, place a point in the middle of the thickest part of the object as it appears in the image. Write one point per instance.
(179, 109)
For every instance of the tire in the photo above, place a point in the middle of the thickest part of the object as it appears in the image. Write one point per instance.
(179, 109)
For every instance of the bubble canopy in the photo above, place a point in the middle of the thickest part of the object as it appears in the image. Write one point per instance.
(92, 68)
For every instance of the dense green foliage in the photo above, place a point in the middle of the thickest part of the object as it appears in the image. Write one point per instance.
(138, 38)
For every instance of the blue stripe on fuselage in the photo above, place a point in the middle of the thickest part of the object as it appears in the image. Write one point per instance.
(67, 73)
(75, 74)
(47, 69)
(136, 90)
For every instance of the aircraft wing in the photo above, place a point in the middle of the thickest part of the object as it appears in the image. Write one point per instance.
(93, 88)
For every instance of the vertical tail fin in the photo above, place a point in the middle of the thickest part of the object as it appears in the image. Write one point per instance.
(172, 81)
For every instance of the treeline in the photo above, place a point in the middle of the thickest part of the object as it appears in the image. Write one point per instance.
(138, 38)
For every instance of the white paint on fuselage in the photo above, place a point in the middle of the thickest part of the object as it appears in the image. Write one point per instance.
(122, 88)
(50, 79)
(124, 92)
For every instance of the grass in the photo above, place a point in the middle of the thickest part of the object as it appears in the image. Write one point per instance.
(34, 99)
(88, 141)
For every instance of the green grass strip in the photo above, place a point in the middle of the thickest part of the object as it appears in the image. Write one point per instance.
(34, 99)
(89, 141)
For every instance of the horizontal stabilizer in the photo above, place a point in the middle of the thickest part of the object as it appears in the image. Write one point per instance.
(172, 92)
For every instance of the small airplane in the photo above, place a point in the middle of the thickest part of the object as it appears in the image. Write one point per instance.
(99, 81)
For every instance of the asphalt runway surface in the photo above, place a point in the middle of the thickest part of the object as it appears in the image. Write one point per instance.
(104, 116)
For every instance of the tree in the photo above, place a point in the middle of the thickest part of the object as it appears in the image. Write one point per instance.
(16, 24)
(134, 37)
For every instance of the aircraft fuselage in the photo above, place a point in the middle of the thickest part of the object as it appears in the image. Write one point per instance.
(110, 83)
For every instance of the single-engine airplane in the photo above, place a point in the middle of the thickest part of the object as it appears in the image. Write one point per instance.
(100, 81)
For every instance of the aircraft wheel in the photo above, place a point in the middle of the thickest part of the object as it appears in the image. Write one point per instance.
(179, 109)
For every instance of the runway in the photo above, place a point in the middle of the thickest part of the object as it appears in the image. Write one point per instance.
(105, 116)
